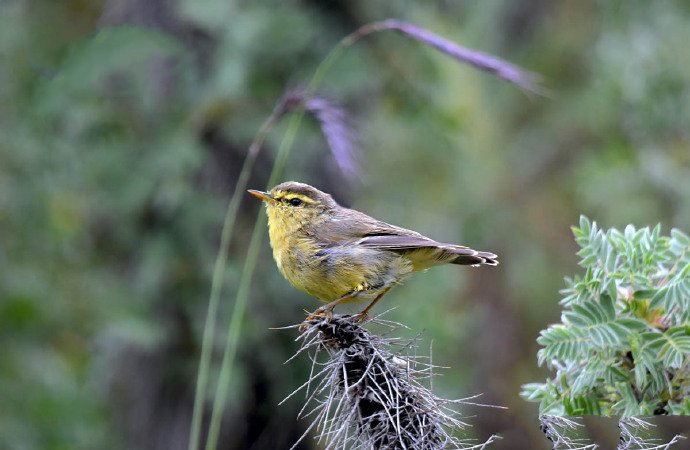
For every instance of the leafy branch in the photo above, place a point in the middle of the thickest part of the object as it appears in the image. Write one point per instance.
(623, 344)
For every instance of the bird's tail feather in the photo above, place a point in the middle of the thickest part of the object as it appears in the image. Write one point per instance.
(471, 257)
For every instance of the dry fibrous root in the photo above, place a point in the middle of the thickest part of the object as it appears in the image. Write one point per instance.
(632, 430)
(362, 394)
(558, 429)
(633, 434)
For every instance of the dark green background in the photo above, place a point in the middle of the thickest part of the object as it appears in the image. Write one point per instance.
(123, 125)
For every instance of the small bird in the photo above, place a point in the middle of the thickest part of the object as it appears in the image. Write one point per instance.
(337, 254)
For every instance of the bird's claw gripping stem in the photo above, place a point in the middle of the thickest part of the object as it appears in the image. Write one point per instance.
(321, 312)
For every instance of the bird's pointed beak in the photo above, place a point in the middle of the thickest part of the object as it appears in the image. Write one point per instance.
(265, 196)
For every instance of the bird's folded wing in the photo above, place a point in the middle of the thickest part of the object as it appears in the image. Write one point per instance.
(397, 242)
(359, 229)
(401, 243)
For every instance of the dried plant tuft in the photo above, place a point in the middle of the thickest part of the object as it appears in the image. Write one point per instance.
(631, 438)
(558, 429)
(362, 394)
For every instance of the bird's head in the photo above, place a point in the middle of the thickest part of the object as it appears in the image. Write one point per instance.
(294, 204)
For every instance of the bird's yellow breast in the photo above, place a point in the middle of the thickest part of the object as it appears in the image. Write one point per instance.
(295, 253)
(328, 273)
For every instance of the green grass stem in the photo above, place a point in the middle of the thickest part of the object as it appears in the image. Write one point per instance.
(250, 262)
(217, 282)
(243, 292)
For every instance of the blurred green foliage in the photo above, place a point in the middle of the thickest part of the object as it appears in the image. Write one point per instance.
(623, 347)
(124, 124)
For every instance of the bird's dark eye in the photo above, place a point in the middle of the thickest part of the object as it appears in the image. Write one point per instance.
(295, 201)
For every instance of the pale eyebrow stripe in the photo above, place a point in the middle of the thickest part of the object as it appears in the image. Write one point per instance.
(302, 197)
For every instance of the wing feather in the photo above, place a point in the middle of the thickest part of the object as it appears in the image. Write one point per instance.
(401, 243)
(360, 229)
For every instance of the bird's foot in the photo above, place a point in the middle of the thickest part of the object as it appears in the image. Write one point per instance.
(318, 314)
(360, 318)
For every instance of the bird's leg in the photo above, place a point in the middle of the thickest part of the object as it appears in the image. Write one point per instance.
(361, 317)
(327, 309)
